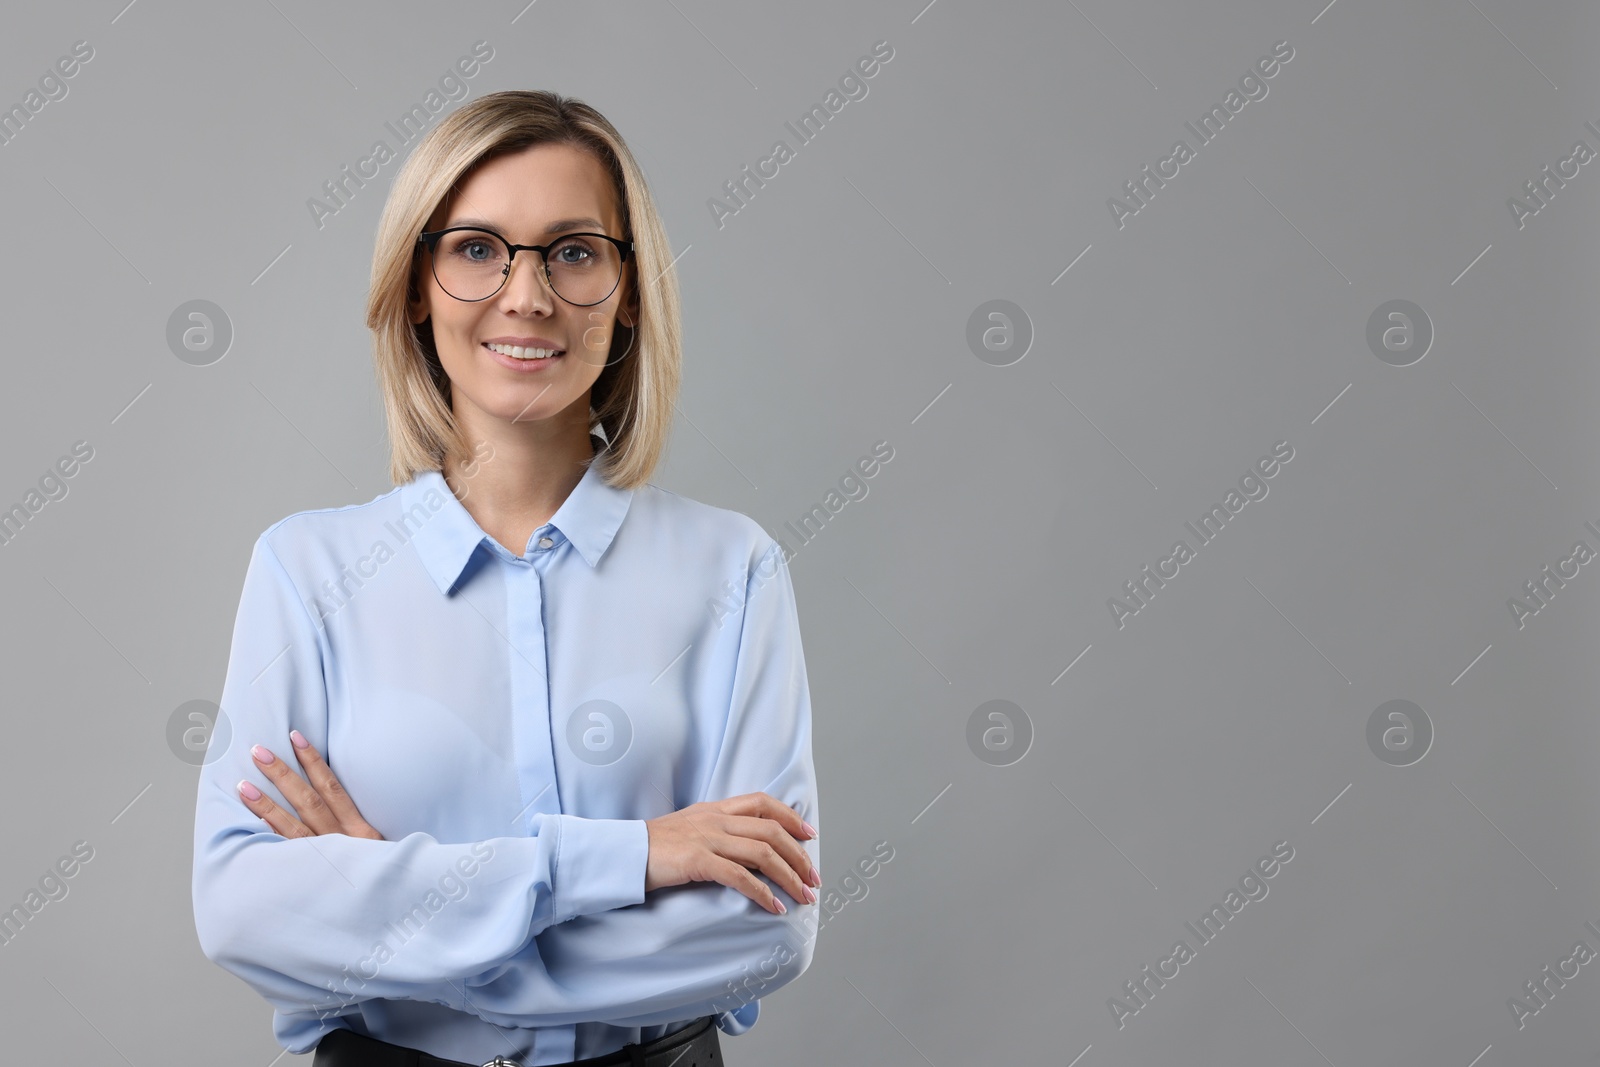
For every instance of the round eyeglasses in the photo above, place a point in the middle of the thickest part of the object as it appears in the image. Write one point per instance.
(472, 264)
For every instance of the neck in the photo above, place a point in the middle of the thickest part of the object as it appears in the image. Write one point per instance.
(512, 482)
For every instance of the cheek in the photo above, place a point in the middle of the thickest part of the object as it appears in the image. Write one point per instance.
(455, 322)
(587, 365)
(597, 334)
(453, 331)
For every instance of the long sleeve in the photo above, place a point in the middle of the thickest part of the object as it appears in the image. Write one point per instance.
(702, 948)
(318, 924)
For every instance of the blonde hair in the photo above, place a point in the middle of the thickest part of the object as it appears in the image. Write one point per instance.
(634, 397)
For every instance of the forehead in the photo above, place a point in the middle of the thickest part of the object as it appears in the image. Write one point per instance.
(522, 193)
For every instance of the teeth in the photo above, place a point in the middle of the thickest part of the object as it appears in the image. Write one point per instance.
(517, 352)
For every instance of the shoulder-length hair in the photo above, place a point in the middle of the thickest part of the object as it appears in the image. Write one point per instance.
(634, 397)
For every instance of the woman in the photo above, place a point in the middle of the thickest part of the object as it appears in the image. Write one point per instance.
(572, 705)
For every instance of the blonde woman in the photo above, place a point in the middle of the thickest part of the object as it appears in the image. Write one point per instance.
(514, 761)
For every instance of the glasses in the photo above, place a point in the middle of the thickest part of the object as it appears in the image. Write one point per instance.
(472, 264)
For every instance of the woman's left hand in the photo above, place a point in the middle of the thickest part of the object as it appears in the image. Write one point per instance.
(324, 809)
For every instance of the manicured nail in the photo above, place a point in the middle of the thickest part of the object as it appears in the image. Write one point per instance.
(781, 909)
(298, 739)
(809, 829)
(261, 754)
(816, 879)
(248, 791)
(811, 898)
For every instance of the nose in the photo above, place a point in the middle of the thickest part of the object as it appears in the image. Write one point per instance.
(527, 288)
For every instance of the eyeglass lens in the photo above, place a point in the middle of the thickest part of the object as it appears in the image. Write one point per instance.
(471, 265)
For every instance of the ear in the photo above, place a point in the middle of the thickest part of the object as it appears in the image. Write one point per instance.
(628, 312)
(416, 308)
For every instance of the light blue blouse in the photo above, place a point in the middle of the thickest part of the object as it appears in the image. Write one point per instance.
(507, 723)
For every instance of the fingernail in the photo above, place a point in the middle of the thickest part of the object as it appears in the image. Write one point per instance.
(809, 829)
(248, 791)
(781, 909)
(811, 898)
(298, 739)
(261, 754)
(816, 879)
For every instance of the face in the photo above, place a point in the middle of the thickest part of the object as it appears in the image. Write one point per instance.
(529, 197)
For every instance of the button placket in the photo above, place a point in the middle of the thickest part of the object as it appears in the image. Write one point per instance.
(530, 692)
(536, 734)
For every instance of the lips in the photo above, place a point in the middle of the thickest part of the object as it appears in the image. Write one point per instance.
(525, 364)
(523, 352)
(523, 342)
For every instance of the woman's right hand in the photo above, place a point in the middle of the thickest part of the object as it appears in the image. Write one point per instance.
(724, 840)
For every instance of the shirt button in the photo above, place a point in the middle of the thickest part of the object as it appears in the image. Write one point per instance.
(545, 542)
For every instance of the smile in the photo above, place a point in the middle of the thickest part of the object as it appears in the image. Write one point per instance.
(517, 352)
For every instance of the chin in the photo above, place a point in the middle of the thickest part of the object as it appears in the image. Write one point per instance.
(526, 409)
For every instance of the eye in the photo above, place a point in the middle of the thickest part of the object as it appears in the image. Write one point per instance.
(573, 253)
(474, 248)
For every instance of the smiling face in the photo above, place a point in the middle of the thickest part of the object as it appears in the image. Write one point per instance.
(529, 197)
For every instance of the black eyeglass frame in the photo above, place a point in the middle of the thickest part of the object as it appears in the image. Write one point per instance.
(431, 240)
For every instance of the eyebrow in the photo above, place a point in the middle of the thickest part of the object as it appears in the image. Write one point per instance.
(558, 226)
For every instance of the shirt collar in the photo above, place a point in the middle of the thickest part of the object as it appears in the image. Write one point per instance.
(447, 536)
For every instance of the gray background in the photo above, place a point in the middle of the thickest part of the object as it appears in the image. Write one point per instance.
(830, 313)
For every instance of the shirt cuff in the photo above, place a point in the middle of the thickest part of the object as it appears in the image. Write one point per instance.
(600, 865)
(741, 1019)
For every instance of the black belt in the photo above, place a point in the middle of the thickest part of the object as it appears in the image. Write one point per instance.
(693, 1046)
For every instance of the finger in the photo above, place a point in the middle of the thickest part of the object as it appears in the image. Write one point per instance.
(792, 851)
(308, 804)
(734, 876)
(282, 823)
(758, 855)
(763, 816)
(787, 817)
(327, 786)
(767, 806)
